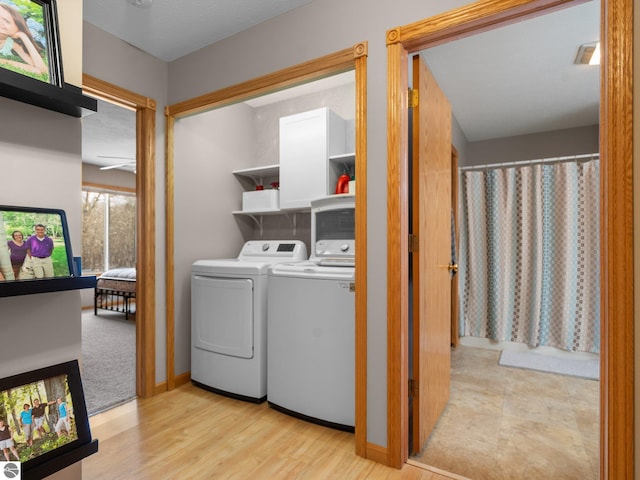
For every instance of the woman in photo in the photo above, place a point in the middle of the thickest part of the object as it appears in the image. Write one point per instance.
(18, 251)
(17, 46)
(6, 441)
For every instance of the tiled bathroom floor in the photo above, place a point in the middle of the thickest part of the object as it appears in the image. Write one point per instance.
(505, 423)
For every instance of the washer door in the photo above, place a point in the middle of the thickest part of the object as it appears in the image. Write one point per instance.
(222, 315)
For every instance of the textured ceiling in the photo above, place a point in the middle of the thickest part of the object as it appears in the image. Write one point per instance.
(169, 29)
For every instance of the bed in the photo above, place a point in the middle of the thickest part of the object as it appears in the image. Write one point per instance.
(116, 291)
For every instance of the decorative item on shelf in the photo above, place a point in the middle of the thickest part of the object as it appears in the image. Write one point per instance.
(342, 186)
(261, 200)
(259, 187)
(275, 185)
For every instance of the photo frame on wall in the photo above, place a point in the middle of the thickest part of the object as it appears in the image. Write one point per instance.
(60, 433)
(37, 245)
(30, 40)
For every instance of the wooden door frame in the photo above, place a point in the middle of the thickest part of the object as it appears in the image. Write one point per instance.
(145, 224)
(354, 58)
(455, 339)
(616, 153)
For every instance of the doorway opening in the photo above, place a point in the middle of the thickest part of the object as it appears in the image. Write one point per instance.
(145, 225)
(614, 431)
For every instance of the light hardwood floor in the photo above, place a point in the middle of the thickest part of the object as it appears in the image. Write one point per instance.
(194, 434)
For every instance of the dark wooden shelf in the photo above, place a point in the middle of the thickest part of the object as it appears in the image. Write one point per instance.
(61, 461)
(67, 99)
(29, 287)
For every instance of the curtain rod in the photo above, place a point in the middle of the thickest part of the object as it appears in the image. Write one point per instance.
(568, 158)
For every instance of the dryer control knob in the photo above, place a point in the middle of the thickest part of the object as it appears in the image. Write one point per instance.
(344, 247)
(265, 247)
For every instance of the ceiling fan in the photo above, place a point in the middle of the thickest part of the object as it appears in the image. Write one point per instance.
(130, 163)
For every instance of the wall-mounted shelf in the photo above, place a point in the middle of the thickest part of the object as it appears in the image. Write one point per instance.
(67, 99)
(258, 174)
(29, 287)
(258, 216)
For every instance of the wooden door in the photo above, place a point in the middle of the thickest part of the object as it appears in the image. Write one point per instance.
(431, 223)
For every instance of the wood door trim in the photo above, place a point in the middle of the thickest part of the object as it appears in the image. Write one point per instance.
(145, 224)
(354, 58)
(455, 329)
(331, 64)
(616, 142)
(617, 307)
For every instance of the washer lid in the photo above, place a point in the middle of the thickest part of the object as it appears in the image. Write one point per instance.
(230, 266)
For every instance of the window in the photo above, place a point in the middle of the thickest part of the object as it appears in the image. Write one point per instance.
(108, 230)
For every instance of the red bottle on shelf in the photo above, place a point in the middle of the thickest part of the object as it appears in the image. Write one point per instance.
(342, 186)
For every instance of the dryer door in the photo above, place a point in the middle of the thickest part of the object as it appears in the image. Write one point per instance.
(222, 315)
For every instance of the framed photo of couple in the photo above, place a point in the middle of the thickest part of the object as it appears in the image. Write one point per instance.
(30, 41)
(34, 245)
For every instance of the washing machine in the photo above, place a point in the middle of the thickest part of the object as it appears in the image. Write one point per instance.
(311, 312)
(229, 318)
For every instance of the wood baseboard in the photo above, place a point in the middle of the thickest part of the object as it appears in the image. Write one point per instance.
(182, 378)
(179, 380)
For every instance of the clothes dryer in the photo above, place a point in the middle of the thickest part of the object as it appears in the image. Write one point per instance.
(229, 318)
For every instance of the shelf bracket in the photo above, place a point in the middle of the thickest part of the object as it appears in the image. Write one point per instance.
(293, 219)
(258, 221)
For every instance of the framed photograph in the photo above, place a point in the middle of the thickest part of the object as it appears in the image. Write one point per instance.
(43, 415)
(34, 244)
(30, 41)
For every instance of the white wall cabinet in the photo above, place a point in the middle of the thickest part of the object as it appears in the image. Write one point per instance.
(307, 140)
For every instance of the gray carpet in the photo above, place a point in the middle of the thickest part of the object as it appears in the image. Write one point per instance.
(576, 367)
(108, 360)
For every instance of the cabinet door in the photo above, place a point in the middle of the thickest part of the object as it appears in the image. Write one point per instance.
(306, 141)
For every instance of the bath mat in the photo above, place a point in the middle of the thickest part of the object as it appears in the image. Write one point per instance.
(579, 367)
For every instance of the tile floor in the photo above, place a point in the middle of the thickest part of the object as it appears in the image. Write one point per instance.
(506, 423)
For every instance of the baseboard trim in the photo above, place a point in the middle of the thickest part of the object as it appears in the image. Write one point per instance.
(182, 379)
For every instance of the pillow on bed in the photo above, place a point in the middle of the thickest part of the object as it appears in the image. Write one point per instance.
(120, 274)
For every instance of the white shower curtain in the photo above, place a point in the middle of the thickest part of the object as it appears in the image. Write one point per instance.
(530, 255)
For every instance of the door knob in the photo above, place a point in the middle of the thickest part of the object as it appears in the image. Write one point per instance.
(452, 267)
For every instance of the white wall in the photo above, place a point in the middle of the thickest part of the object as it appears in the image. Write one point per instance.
(207, 148)
(571, 141)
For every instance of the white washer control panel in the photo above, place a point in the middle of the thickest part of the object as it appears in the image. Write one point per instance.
(293, 250)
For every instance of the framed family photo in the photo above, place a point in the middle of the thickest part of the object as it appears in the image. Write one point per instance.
(44, 415)
(34, 244)
(30, 41)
